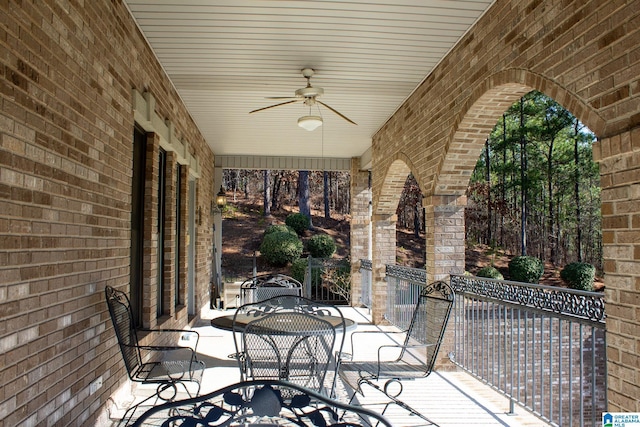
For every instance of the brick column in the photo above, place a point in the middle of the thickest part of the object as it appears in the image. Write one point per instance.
(384, 252)
(360, 225)
(444, 217)
(619, 158)
(445, 245)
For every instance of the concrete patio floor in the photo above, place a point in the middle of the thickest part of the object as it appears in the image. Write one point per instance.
(450, 399)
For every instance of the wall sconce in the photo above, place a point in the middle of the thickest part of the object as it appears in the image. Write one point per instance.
(221, 201)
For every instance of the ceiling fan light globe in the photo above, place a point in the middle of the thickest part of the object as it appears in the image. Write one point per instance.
(310, 122)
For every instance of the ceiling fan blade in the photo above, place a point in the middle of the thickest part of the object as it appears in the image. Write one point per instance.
(337, 112)
(272, 106)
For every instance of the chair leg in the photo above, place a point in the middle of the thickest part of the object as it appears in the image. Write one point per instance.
(393, 398)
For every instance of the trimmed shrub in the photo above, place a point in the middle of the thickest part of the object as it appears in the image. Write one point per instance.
(298, 268)
(579, 275)
(321, 246)
(299, 222)
(490, 272)
(280, 248)
(280, 228)
(526, 269)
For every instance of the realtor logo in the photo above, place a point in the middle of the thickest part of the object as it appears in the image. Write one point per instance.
(621, 419)
(607, 420)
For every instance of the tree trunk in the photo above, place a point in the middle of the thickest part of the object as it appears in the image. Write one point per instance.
(576, 191)
(327, 185)
(275, 194)
(551, 220)
(266, 202)
(523, 182)
(488, 179)
(303, 195)
(503, 189)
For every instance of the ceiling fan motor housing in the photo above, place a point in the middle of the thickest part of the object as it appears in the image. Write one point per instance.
(309, 92)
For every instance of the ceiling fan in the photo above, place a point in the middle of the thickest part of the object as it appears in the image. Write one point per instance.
(308, 96)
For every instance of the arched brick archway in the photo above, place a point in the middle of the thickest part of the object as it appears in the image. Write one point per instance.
(481, 113)
(395, 177)
(584, 56)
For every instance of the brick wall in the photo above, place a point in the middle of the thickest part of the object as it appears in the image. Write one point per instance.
(619, 159)
(585, 56)
(67, 72)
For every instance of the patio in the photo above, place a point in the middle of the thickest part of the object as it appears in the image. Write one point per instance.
(449, 398)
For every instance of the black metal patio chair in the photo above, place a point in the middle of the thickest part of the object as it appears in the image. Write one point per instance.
(260, 288)
(260, 403)
(409, 358)
(289, 338)
(167, 365)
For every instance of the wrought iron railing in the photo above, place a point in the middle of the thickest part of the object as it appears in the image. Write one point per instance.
(366, 282)
(541, 346)
(328, 280)
(403, 288)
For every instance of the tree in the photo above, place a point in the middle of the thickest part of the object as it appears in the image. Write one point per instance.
(267, 193)
(536, 182)
(326, 187)
(303, 194)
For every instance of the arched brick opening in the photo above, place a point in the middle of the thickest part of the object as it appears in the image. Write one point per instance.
(384, 228)
(392, 185)
(481, 113)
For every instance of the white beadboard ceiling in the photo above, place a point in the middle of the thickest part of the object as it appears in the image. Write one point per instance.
(225, 56)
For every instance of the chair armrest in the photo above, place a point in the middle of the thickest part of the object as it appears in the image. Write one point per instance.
(181, 332)
(159, 353)
(358, 333)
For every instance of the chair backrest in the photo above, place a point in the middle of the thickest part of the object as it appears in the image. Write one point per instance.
(429, 321)
(266, 286)
(290, 346)
(263, 403)
(327, 333)
(122, 318)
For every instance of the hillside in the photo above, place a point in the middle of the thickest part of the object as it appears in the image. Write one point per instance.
(243, 226)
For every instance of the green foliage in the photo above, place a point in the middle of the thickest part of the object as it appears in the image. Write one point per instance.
(490, 272)
(526, 269)
(280, 248)
(579, 275)
(321, 246)
(280, 228)
(299, 222)
(537, 161)
(298, 268)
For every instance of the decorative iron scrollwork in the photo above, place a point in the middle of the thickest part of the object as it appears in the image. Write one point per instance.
(568, 302)
(260, 402)
(366, 264)
(413, 275)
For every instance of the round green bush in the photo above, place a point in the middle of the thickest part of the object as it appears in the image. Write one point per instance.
(280, 228)
(526, 269)
(490, 272)
(280, 248)
(579, 275)
(298, 269)
(321, 246)
(299, 222)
